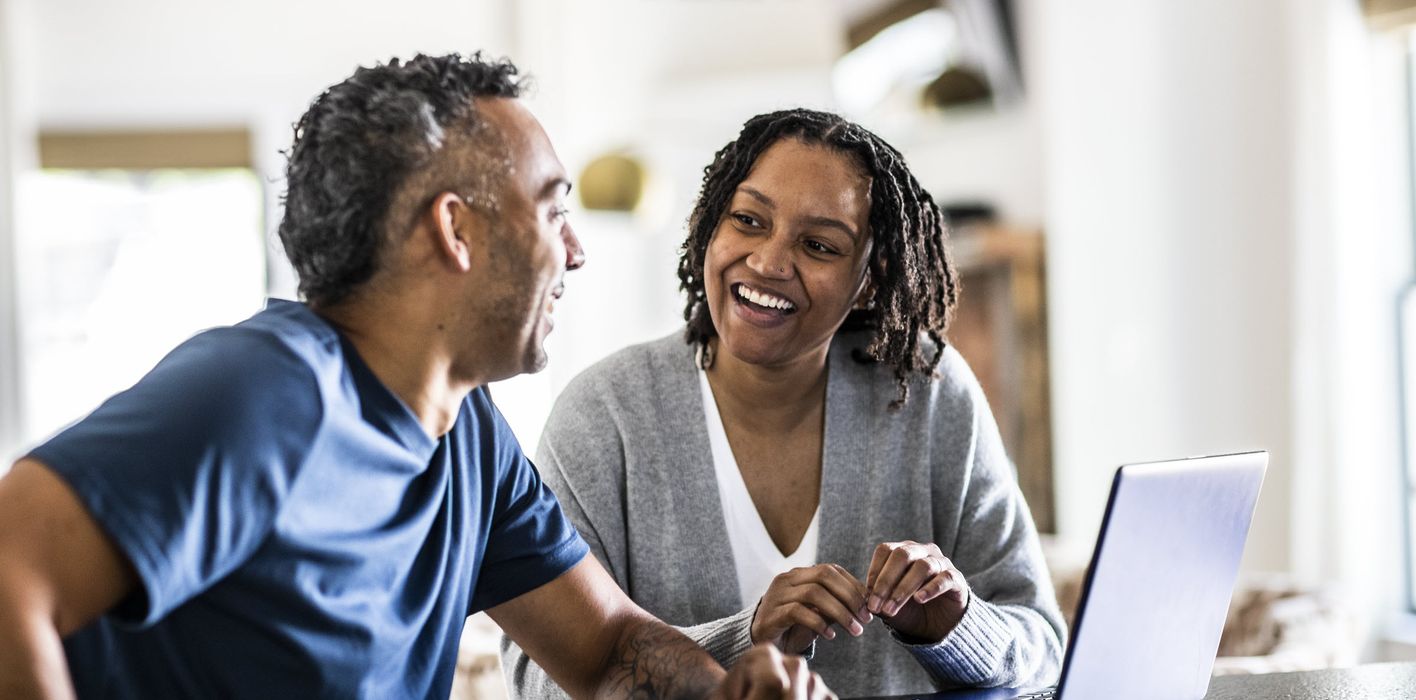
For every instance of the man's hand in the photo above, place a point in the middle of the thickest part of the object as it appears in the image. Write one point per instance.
(595, 642)
(764, 674)
(916, 590)
(802, 604)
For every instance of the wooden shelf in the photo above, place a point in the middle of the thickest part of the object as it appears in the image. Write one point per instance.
(1000, 327)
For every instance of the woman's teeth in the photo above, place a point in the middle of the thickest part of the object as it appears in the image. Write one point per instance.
(764, 299)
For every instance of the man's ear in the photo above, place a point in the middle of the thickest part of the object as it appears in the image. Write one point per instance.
(459, 230)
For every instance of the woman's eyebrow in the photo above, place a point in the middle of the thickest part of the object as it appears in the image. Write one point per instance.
(812, 220)
(757, 196)
(832, 223)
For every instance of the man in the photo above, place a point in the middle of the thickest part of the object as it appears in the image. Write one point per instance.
(310, 503)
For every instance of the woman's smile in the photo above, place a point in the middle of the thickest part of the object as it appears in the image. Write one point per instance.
(760, 307)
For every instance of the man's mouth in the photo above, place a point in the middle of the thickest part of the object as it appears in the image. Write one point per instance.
(551, 299)
(762, 301)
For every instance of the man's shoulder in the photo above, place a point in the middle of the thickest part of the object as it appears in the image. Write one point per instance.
(272, 361)
(284, 328)
(283, 342)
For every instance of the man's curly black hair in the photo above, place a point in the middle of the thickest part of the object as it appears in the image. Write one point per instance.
(360, 145)
(916, 286)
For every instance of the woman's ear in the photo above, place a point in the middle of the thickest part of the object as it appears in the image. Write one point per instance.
(865, 296)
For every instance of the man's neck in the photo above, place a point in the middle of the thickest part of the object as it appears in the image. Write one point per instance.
(776, 398)
(409, 354)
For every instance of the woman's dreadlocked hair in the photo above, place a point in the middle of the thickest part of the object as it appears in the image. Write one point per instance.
(916, 285)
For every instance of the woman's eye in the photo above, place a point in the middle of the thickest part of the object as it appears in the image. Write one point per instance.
(559, 212)
(746, 220)
(819, 247)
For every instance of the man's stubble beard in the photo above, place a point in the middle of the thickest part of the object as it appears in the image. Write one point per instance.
(518, 327)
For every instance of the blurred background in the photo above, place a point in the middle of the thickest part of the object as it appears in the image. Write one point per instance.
(1185, 227)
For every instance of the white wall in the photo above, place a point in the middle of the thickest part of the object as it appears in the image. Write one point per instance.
(992, 156)
(146, 62)
(9, 375)
(1228, 220)
(1168, 139)
(16, 152)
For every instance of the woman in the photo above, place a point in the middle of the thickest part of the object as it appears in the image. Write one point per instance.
(813, 463)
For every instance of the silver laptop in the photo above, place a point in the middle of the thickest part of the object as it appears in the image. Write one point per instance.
(1160, 580)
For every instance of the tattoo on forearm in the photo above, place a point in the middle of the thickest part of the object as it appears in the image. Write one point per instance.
(654, 660)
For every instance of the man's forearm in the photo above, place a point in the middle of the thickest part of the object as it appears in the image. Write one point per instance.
(652, 659)
(32, 663)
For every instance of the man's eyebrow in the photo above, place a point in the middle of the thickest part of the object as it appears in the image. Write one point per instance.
(812, 220)
(559, 186)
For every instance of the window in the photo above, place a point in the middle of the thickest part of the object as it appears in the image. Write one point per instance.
(1406, 320)
(1406, 339)
(116, 266)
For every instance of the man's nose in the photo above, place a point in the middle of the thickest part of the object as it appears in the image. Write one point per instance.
(574, 254)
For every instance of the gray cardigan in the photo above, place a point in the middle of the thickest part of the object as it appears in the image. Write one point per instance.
(626, 451)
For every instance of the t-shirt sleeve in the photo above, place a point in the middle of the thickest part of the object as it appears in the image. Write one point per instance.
(531, 542)
(186, 470)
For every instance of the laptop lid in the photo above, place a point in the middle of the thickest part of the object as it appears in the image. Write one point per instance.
(1161, 577)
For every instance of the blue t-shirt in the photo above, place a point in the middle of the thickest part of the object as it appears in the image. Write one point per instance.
(294, 531)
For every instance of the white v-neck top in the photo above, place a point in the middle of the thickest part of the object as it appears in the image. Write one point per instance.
(755, 555)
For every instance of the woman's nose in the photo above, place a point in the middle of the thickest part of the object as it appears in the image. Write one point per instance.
(771, 259)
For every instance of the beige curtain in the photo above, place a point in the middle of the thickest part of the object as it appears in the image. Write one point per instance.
(145, 150)
(1390, 14)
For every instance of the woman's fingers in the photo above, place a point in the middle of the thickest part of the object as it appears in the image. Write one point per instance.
(824, 602)
(826, 589)
(901, 571)
(795, 613)
(947, 581)
(887, 567)
(848, 589)
(877, 562)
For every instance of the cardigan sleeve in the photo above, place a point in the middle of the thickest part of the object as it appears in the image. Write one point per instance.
(581, 457)
(1012, 632)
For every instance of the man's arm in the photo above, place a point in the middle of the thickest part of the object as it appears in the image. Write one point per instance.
(596, 642)
(59, 572)
(593, 640)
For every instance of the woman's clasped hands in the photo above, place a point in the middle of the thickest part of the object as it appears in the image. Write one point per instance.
(911, 586)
